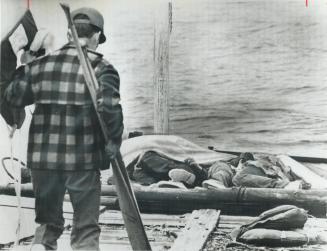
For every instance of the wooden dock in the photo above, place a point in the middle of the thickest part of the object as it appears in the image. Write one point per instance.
(201, 230)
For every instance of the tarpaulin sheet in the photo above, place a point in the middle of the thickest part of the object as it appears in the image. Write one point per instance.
(173, 146)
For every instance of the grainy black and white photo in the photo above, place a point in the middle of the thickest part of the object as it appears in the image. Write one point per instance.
(195, 125)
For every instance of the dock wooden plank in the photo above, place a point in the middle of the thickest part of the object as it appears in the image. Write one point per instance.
(197, 230)
(114, 217)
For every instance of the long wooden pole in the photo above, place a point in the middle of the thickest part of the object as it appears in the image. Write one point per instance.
(237, 201)
(162, 31)
(128, 204)
(316, 160)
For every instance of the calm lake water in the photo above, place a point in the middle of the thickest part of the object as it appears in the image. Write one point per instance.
(244, 75)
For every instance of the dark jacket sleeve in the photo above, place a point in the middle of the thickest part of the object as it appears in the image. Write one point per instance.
(19, 92)
(16, 96)
(108, 98)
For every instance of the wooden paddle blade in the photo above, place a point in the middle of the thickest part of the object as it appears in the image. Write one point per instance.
(128, 206)
(66, 9)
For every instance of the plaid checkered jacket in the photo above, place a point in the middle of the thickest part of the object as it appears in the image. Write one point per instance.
(64, 132)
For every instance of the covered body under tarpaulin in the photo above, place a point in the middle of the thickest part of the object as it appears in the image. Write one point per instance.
(179, 149)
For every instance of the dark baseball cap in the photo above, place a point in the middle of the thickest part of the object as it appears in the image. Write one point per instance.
(94, 18)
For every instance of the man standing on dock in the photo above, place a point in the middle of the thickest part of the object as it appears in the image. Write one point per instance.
(66, 149)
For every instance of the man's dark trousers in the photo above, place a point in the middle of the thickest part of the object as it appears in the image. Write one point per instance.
(84, 189)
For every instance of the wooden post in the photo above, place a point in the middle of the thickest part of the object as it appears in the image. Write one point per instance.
(163, 27)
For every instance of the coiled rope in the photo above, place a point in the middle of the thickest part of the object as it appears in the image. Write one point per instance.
(4, 166)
